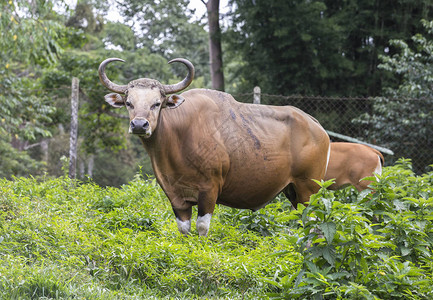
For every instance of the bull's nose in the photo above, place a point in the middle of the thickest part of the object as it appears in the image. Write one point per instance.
(139, 126)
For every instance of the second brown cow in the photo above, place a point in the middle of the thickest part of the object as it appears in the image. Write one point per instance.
(349, 163)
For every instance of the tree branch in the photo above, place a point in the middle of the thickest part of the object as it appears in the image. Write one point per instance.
(110, 113)
(32, 146)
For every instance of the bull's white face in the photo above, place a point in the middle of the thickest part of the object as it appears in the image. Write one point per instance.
(144, 106)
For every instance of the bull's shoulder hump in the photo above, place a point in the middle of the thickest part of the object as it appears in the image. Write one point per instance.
(295, 114)
(303, 113)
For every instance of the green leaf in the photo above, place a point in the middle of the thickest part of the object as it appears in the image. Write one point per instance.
(329, 254)
(328, 204)
(363, 194)
(273, 282)
(328, 229)
(299, 278)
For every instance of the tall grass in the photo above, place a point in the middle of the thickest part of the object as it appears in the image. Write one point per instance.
(63, 239)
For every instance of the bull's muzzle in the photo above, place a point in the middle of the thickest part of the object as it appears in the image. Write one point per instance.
(139, 126)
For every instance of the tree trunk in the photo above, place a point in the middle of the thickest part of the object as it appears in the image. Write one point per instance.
(215, 52)
(44, 149)
(81, 167)
(74, 129)
(90, 165)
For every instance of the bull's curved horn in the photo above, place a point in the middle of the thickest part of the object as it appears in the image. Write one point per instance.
(107, 82)
(173, 88)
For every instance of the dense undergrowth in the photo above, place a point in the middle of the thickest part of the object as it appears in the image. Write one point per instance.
(62, 239)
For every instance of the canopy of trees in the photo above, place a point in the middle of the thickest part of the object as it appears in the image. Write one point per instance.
(320, 47)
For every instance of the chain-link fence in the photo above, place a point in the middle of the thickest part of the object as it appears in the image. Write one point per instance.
(403, 126)
(400, 127)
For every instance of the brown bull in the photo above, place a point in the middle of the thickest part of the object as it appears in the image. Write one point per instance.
(207, 148)
(349, 163)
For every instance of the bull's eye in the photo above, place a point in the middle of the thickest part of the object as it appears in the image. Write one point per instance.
(155, 105)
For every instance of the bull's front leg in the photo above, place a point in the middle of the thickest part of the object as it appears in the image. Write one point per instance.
(182, 209)
(183, 218)
(206, 207)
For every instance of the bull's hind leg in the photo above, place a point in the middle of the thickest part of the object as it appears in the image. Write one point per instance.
(312, 169)
(300, 191)
(304, 189)
(290, 194)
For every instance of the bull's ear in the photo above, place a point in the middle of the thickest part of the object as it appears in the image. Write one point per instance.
(174, 101)
(115, 100)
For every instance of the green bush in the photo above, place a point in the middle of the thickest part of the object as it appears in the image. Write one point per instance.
(375, 246)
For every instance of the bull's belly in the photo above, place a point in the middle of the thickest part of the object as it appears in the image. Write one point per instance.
(244, 202)
(253, 191)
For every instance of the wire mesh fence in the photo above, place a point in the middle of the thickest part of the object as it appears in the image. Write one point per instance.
(402, 128)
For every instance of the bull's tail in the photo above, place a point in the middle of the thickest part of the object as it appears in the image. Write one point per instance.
(327, 158)
(382, 160)
(380, 163)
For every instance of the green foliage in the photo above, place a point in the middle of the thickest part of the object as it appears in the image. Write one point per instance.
(377, 245)
(16, 163)
(29, 38)
(120, 35)
(399, 116)
(263, 222)
(268, 41)
(84, 18)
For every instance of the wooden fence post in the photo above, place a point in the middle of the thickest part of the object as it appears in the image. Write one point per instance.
(74, 128)
(257, 92)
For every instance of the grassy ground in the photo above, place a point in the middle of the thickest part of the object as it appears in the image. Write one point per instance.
(61, 239)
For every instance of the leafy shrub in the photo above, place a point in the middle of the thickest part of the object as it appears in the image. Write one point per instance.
(377, 247)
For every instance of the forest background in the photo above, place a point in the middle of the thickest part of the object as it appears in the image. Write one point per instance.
(349, 48)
